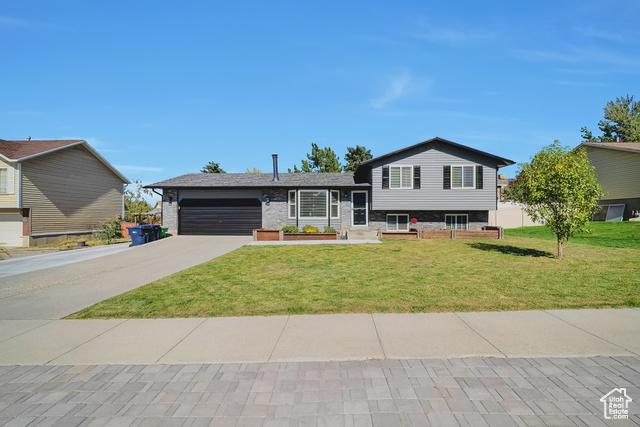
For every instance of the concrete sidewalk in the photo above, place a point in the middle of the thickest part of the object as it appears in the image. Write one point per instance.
(555, 333)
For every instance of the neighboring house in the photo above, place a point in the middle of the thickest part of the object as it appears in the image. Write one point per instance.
(617, 166)
(55, 189)
(439, 183)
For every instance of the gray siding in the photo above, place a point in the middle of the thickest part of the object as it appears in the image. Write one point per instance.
(431, 195)
(617, 172)
(69, 190)
(337, 223)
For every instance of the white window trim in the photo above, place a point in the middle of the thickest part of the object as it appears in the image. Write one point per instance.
(327, 207)
(295, 195)
(11, 182)
(463, 187)
(456, 215)
(401, 187)
(331, 203)
(366, 210)
(397, 222)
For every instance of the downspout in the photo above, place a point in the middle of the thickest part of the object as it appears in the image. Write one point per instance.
(161, 205)
(124, 186)
(19, 198)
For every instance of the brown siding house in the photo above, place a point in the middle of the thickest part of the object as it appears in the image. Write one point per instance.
(62, 188)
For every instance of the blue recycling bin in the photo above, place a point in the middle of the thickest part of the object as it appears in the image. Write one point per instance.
(156, 231)
(137, 234)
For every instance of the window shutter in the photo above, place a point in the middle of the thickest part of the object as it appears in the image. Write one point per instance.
(416, 177)
(479, 177)
(446, 178)
(385, 177)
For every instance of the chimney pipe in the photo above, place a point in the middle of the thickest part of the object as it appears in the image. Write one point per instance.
(275, 167)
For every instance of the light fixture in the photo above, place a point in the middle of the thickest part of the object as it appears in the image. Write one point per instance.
(267, 200)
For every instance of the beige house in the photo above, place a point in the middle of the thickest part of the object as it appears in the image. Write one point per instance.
(617, 166)
(55, 189)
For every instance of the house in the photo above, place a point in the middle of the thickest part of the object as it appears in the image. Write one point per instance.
(435, 184)
(55, 189)
(616, 165)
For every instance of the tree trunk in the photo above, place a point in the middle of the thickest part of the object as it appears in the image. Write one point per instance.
(560, 247)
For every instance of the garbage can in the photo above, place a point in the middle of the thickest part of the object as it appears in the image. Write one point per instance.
(137, 234)
(163, 232)
(148, 232)
(156, 231)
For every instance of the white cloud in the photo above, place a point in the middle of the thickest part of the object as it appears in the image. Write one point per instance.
(134, 168)
(9, 22)
(396, 89)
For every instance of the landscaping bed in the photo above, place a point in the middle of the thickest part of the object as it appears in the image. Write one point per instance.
(397, 276)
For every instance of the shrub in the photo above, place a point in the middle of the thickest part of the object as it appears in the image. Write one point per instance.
(328, 229)
(291, 229)
(310, 229)
(110, 230)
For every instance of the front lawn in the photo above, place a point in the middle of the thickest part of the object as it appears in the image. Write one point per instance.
(612, 234)
(396, 276)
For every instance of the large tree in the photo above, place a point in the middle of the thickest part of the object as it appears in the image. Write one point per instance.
(621, 120)
(212, 167)
(320, 160)
(355, 156)
(558, 188)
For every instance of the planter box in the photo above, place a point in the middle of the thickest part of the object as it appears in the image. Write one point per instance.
(477, 234)
(408, 235)
(263, 235)
(311, 236)
(436, 234)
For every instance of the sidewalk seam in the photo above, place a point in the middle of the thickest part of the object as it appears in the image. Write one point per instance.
(480, 335)
(29, 330)
(178, 343)
(590, 333)
(90, 339)
(278, 340)
(384, 353)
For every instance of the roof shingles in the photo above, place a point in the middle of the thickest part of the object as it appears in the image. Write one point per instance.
(260, 180)
(16, 150)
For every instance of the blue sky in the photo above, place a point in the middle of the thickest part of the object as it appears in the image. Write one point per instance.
(161, 88)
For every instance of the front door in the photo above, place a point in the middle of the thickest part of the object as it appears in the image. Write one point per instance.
(359, 208)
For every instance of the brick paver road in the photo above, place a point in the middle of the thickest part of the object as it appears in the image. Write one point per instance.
(438, 392)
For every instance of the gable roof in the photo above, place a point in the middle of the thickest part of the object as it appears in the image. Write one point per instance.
(260, 180)
(501, 161)
(20, 150)
(633, 147)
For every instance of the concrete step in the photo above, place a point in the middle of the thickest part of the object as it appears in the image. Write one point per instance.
(362, 235)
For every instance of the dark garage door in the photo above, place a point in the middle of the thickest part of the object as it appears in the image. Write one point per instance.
(236, 217)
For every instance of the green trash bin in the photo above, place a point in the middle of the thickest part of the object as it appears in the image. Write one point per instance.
(163, 232)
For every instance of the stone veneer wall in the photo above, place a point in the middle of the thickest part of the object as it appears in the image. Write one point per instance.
(170, 210)
(274, 215)
(428, 220)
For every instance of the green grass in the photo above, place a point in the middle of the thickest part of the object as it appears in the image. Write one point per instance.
(611, 234)
(396, 276)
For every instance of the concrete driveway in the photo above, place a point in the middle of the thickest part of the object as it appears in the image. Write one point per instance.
(56, 292)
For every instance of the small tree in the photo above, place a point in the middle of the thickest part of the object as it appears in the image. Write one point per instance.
(212, 167)
(134, 201)
(355, 156)
(320, 160)
(559, 189)
(111, 230)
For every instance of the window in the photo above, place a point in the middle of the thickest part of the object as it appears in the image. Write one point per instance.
(401, 176)
(6, 180)
(292, 203)
(397, 222)
(456, 222)
(463, 177)
(313, 203)
(335, 204)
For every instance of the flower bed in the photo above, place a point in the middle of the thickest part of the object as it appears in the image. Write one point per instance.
(311, 236)
(263, 235)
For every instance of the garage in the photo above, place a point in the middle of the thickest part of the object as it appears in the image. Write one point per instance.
(229, 217)
(10, 229)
